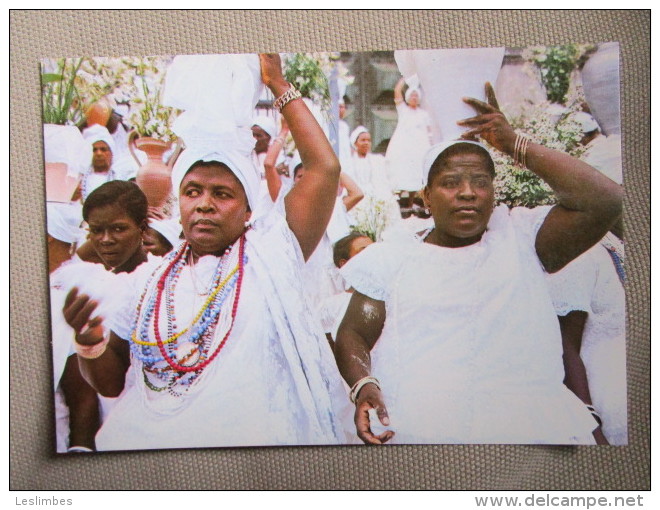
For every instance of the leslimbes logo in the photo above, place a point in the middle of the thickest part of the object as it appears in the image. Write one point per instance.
(37, 501)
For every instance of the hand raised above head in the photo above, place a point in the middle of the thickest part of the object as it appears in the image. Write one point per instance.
(490, 123)
(271, 69)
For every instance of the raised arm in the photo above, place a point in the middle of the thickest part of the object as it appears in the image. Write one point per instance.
(273, 179)
(356, 336)
(107, 372)
(589, 203)
(354, 192)
(309, 204)
(398, 91)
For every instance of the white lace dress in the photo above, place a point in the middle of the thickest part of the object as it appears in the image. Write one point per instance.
(471, 350)
(590, 284)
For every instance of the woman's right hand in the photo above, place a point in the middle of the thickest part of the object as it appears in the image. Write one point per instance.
(370, 397)
(78, 309)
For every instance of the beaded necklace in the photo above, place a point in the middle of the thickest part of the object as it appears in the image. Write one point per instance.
(174, 361)
(83, 182)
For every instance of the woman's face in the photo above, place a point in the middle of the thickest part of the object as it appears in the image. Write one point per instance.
(363, 144)
(155, 243)
(214, 208)
(461, 198)
(413, 100)
(115, 236)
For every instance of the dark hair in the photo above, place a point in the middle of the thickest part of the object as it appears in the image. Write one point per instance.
(459, 148)
(125, 194)
(296, 169)
(341, 249)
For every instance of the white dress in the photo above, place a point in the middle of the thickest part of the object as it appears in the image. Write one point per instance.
(273, 383)
(591, 284)
(407, 148)
(471, 350)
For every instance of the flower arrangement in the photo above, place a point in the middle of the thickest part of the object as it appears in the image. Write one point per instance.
(555, 65)
(544, 125)
(148, 116)
(372, 218)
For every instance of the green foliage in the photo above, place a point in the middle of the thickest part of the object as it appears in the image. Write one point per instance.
(306, 74)
(61, 102)
(556, 63)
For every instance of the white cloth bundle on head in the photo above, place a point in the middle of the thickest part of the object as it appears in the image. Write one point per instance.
(447, 76)
(217, 94)
(96, 133)
(413, 86)
(63, 222)
(65, 144)
(169, 229)
(267, 124)
(437, 149)
(356, 133)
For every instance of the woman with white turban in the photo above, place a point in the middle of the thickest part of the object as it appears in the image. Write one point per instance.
(410, 141)
(220, 349)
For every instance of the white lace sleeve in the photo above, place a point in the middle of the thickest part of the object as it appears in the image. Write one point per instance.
(373, 270)
(572, 287)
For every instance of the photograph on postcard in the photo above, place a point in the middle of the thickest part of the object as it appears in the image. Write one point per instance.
(388, 247)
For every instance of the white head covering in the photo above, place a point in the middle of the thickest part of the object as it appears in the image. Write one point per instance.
(267, 124)
(586, 122)
(170, 229)
(411, 90)
(218, 94)
(434, 152)
(96, 133)
(62, 222)
(356, 133)
(65, 144)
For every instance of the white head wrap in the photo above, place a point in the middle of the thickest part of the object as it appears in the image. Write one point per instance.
(434, 152)
(267, 124)
(356, 133)
(63, 222)
(65, 144)
(170, 229)
(410, 91)
(218, 94)
(586, 122)
(96, 133)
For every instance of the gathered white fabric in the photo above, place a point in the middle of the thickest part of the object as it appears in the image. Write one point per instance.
(410, 91)
(274, 383)
(590, 284)
(447, 76)
(604, 154)
(471, 350)
(217, 94)
(65, 144)
(97, 133)
(63, 221)
(169, 229)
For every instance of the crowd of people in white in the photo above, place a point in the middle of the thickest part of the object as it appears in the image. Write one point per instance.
(246, 311)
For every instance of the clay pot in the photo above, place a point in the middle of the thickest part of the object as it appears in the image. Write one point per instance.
(99, 113)
(155, 176)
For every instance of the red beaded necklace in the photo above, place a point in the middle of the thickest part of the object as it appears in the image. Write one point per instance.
(160, 289)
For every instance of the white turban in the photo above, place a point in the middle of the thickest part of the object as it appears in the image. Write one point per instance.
(434, 152)
(267, 124)
(96, 133)
(411, 90)
(356, 133)
(587, 122)
(63, 222)
(218, 94)
(169, 229)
